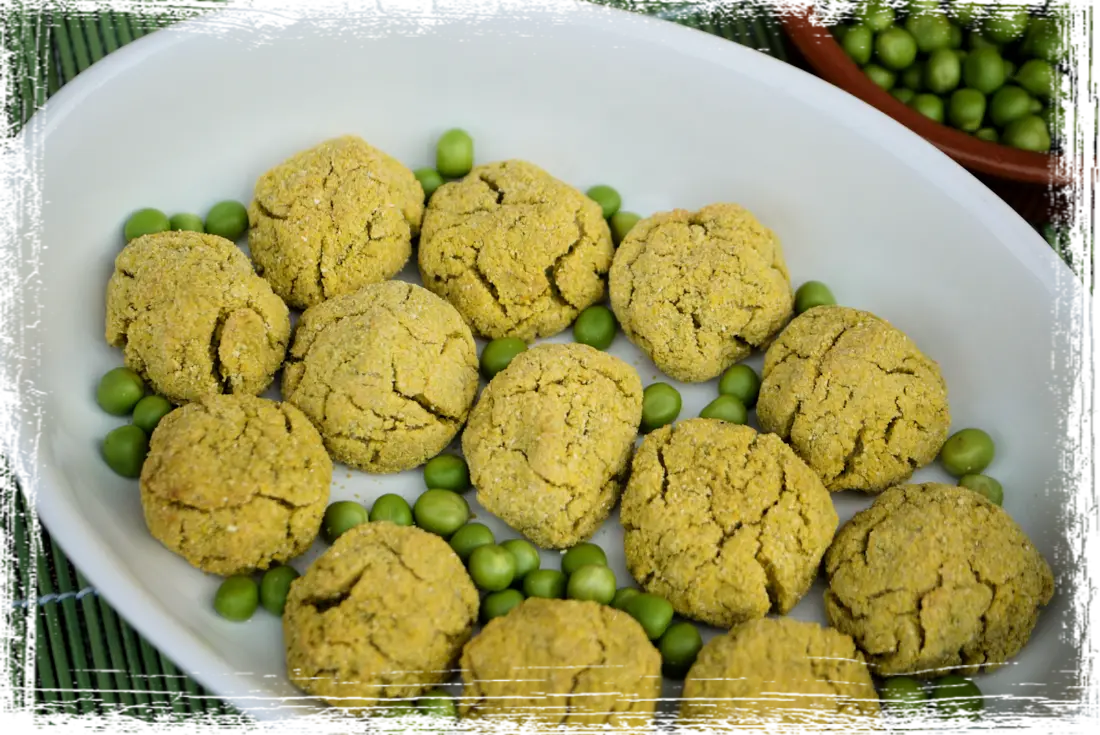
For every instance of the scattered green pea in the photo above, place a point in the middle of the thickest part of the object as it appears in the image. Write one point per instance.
(967, 452)
(902, 693)
(119, 391)
(582, 555)
(228, 219)
(661, 405)
(742, 382)
(593, 582)
(124, 450)
(858, 43)
(441, 512)
(956, 696)
(1034, 106)
(1028, 133)
(547, 583)
(186, 222)
(498, 353)
(876, 15)
(965, 12)
(903, 95)
(966, 109)
(149, 411)
(984, 485)
(726, 408)
(956, 39)
(437, 703)
(930, 31)
(621, 224)
(340, 517)
(608, 199)
(1009, 103)
(1037, 77)
(988, 134)
(913, 77)
(881, 76)
(470, 537)
(984, 70)
(429, 179)
(623, 595)
(398, 717)
(237, 598)
(943, 71)
(525, 554)
(492, 567)
(392, 508)
(595, 327)
(653, 612)
(679, 646)
(447, 472)
(976, 41)
(895, 48)
(145, 222)
(498, 604)
(1045, 39)
(454, 154)
(929, 105)
(1006, 25)
(811, 294)
(275, 586)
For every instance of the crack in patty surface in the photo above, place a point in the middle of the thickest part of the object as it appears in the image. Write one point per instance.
(725, 523)
(549, 439)
(332, 219)
(384, 612)
(933, 578)
(193, 319)
(854, 397)
(235, 483)
(518, 252)
(698, 291)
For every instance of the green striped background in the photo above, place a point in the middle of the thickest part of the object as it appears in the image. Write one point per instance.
(87, 659)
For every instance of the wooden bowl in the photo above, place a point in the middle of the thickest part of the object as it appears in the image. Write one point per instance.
(1041, 186)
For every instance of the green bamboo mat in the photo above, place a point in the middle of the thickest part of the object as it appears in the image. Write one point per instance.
(87, 659)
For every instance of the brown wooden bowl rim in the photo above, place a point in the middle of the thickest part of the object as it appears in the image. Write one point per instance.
(825, 55)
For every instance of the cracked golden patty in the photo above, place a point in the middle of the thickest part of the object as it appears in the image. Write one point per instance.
(387, 374)
(383, 613)
(723, 522)
(550, 438)
(562, 662)
(235, 483)
(779, 669)
(517, 252)
(332, 219)
(933, 578)
(193, 318)
(854, 397)
(698, 291)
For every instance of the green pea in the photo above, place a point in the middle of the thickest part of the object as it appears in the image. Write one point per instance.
(227, 219)
(881, 76)
(608, 199)
(392, 508)
(1037, 77)
(145, 222)
(275, 586)
(149, 411)
(437, 703)
(977, 41)
(624, 595)
(1045, 39)
(742, 382)
(679, 646)
(857, 44)
(525, 554)
(498, 604)
(469, 537)
(984, 70)
(943, 71)
(547, 583)
(811, 294)
(125, 449)
(621, 224)
(429, 179)
(1009, 103)
(454, 155)
(956, 696)
(919, 7)
(186, 222)
(592, 582)
(929, 31)
(441, 512)
(965, 12)
(582, 555)
(1028, 133)
(398, 717)
(967, 452)
(492, 567)
(896, 48)
(726, 408)
(340, 517)
(956, 39)
(1010, 69)
(966, 110)
(989, 134)
(876, 15)
(119, 391)
(653, 612)
(498, 353)
(661, 404)
(595, 327)
(929, 105)
(903, 95)
(984, 485)
(913, 77)
(1006, 25)
(902, 693)
(1034, 106)
(237, 598)
(447, 472)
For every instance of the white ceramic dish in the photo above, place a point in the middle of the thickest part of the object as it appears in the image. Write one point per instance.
(670, 116)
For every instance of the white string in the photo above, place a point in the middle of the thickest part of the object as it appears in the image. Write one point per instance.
(54, 597)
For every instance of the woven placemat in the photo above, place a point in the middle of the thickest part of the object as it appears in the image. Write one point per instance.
(66, 657)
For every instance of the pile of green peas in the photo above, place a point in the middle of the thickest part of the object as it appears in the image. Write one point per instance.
(988, 71)
(121, 392)
(951, 696)
(965, 455)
